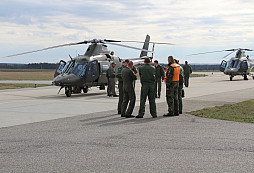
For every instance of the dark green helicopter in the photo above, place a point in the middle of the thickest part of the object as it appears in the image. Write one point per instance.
(240, 64)
(89, 70)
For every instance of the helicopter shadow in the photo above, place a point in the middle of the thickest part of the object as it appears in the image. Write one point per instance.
(63, 96)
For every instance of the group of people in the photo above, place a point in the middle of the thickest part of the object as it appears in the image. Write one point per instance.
(151, 78)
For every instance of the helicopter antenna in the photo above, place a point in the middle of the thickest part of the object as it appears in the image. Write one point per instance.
(70, 56)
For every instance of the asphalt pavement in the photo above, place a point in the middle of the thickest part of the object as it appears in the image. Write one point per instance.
(45, 132)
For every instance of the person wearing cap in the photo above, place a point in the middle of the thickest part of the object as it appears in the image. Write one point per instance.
(120, 85)
(111, 74)
(172, 85)
(129, 97)
(159, 77)
(147, 78)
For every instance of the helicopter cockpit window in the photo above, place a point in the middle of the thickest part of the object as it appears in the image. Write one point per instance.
(79, 68)
(229, 64)
(68, 67)
(236, 64)
(92, 68)
(61, 66)
(224, 64)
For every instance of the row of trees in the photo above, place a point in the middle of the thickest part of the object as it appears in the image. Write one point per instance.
(201, 67)
(29, 66)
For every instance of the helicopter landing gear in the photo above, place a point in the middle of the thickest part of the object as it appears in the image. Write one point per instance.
(102, 87)
(231, 78)
(85, 89)
(253, 77)
(245, 77)
(68, 91)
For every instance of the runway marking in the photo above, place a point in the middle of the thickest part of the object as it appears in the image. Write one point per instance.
(15, 101)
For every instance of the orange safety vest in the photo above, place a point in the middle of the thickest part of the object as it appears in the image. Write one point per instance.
(177, 70)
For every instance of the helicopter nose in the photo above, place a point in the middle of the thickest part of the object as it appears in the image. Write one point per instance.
(231, 70)
(65, 79)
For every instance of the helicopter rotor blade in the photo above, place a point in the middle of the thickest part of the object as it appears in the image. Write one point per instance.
(248, 50)
(230, 53)
(206, 52)
(131, 47)
(47, 48)
(137, 42)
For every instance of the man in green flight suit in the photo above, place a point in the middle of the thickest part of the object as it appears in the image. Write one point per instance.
(187, 71)
(172, 84)
(120, 84)
(111, 80)
(129, 96)
(159, 77)
(180, 89)
(147, 78)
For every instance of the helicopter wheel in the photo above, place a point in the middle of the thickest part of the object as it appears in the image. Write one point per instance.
(102, 87)
(245, 77)
(253, 77)
(68, 91)
(231, 78)
(85, 89)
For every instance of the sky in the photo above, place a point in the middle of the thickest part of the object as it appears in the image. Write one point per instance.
(193, 26)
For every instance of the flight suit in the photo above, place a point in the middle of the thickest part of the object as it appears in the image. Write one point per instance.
(111, 81)
(129, 96)
(159, 76)
(120, 88)
(187, 71)
(147, 78)
(172, 85)
(181, 81)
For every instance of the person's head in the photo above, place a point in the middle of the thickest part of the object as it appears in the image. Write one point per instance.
(112, 53)
(155, 62)
(130, 64)
(125, 63)
(170, 59)
(113, 64)
(186, 62)
(147, 60)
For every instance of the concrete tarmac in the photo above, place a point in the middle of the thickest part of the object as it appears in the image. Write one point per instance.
(45, 132)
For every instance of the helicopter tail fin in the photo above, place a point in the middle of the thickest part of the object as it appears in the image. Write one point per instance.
(145, 46)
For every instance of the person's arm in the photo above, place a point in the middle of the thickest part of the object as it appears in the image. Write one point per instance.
(119, 73)
(170, 75)
(162, 73)
(133, 76)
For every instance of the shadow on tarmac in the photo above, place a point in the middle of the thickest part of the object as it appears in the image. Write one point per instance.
(118, 120)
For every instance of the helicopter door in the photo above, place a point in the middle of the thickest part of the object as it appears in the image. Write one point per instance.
(244, 66)
(92, 71)
(61, 65)
(223, 65)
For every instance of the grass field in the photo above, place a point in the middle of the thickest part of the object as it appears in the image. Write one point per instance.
(240, 112)
(197, 75)
(26, 74)
(21, 85)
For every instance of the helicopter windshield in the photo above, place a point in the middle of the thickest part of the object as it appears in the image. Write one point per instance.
(68, 67)
(79, 68)
(237, 64)
(234, 64)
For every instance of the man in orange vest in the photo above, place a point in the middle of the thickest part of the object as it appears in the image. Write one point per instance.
(172, 84)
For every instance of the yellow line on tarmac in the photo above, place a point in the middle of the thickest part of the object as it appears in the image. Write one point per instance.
(15, 101)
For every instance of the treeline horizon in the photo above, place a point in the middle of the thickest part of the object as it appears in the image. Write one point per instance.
(195, 67)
